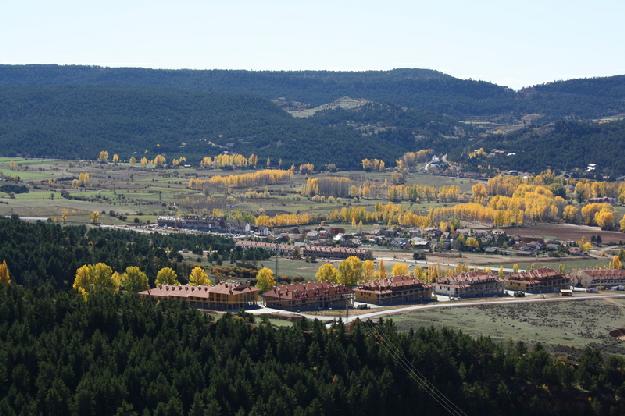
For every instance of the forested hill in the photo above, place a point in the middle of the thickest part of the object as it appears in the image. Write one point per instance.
(78, 121)
(74, 111)
(421, 89)
(417, 88)
(563, 145)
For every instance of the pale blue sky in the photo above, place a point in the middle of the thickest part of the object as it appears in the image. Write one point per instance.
(512, 43)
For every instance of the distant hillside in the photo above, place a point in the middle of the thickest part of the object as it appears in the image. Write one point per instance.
(418, 88)
(584, 98)
(76, 122)
(335, 117)
(563, 145)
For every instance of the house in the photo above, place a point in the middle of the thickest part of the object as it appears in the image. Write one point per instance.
(393, 291)
(222, 296)
(470, 284)
(276, 248)
(308, 296)
(603, 199)
(336, 252)
(543, 280)
(599, 278)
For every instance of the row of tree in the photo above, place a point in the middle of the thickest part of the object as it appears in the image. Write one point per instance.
(257, 178)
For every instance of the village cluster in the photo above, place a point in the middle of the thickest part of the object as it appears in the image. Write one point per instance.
(335, 242)
(395, 290)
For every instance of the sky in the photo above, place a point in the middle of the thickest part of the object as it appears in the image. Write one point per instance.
(512, 43)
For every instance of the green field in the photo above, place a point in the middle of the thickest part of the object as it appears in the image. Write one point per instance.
(293, 268)
(557, 325)
(148, 192)
(568, 264)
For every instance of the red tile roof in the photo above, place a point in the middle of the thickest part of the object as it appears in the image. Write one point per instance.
(469, 278)
(305, 291)
(536, 275)
(605, 273)
(393, 283)
(203, 291)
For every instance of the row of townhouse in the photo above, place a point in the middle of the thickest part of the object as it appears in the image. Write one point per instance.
(543, 280)
(309, 296)
(328, 252)
(336, 252)
(598, 278)
(222, 296)
(393, 291)
(389, 291)
(276, 248)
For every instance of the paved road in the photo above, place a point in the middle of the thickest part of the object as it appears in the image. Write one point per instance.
(451, 304)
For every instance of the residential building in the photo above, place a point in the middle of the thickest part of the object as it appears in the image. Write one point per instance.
(599, 278)
(336, 252)
(276, 248)
(206, 224)
(307, 296)
(222, 296)
(393, 291)
(470, 285)
(543, 280)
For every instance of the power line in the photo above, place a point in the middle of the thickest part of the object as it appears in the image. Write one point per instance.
(450, 407)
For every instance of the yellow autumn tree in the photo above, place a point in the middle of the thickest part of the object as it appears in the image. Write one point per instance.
(327, 273)
(166, 276)
(381, 274)
(144, 162)
(605, 218)
(134, 280)
(282, 220)
(306, 168)
(368, 270)
(622, 224)
(199, 277)
(350, 271)
(584, 245)
(115, 158)
(261, 177)
(615, 263)
(570, 214)
(419, 273)
(265, 279)
(132, 161)
(5, 275)
(103, 156)
(95, 278)
(206, 162)
(95, 217)
(399, 269)
(479, 192)
(159, 161)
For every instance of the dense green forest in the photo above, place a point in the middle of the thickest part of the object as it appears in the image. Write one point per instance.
(77, 122)
(420, 89)
(123, 355)
(50, 253)
(74, 111)
(563, 145)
